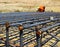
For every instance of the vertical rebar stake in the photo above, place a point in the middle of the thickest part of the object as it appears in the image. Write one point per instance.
(38, 37)
(7, 34)
(21, 34)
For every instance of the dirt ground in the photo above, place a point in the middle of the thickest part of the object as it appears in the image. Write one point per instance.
(28, 6)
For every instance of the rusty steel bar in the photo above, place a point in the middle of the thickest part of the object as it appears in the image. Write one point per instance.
(32, 21)
(38, 37)
(7, 34)
(21, 34)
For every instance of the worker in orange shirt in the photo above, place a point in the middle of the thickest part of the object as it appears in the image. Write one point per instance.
(41, 8)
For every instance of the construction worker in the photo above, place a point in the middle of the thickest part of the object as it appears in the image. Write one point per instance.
(41, 8)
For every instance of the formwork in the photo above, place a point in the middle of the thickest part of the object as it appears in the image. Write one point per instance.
(29, 29)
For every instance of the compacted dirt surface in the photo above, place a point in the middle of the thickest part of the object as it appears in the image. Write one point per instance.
(28, 6)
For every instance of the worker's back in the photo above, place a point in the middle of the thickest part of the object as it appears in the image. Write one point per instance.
(41, 8)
